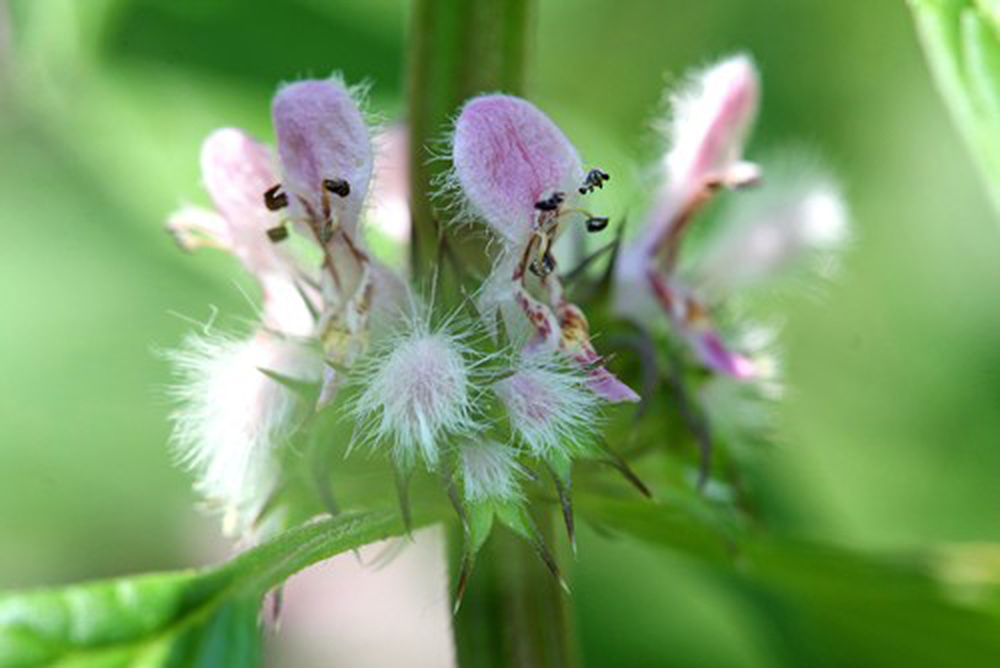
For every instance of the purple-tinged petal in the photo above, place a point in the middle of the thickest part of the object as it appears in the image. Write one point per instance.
(691, 321)
(711, 118)
(714, 354)
(237, 171)
(509, 156)
(607, 386)
(575, 341)
(322, 137)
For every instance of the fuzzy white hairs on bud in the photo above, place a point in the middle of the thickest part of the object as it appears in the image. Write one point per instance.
(417, 390)
(550, 404)
(233, 417)
(490, 471)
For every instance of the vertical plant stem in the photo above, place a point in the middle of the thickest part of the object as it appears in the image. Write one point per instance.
(458, 48)
(514, 614)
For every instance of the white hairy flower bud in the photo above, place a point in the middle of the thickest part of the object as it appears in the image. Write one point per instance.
(417, 391)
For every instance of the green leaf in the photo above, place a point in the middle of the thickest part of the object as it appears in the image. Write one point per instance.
(961, 39)
(188, 618)
(852, 608)
(480, 525)
(832, 606)
(682, 522)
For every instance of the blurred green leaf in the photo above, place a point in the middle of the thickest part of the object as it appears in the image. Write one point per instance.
(961, 39)
(851, 608)
(832, 606)
(680, 522)
(189, 618)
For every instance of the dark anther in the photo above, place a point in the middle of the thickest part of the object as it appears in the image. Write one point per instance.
(337, 187)
(274, 199)
(595, 179)
(551, 203)
(276, 234)
(543, 267)
(596, 224)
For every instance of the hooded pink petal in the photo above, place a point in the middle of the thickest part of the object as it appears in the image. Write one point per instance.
(716, 356)
(711, 119)
(322, 136)
(237, 171)
(508, 156)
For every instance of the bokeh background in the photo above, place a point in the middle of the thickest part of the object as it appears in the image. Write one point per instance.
(891, 428)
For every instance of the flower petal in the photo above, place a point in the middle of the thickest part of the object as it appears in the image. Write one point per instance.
(322, 136)
(716, 356)
(711, 118)
(508, 156)
(237, 171)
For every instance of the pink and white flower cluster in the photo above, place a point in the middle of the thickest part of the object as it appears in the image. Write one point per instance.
(338, 329)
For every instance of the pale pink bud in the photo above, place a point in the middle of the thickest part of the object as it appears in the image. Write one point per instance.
(233, 417)
(550, 403)
(509, 156)
(416, 391)
(711, 116)
(489, 472)
(323, 143)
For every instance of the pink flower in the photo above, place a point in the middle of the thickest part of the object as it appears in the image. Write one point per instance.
(712, 115)
(237, 171)
(326, 152)
(240, 397)
(509, 157)
(523, 177)
(552, 407)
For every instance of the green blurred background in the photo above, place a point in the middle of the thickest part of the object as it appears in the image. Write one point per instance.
(891, 427)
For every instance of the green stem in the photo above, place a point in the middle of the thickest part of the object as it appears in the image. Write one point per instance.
(514, 613)
(459, 48)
